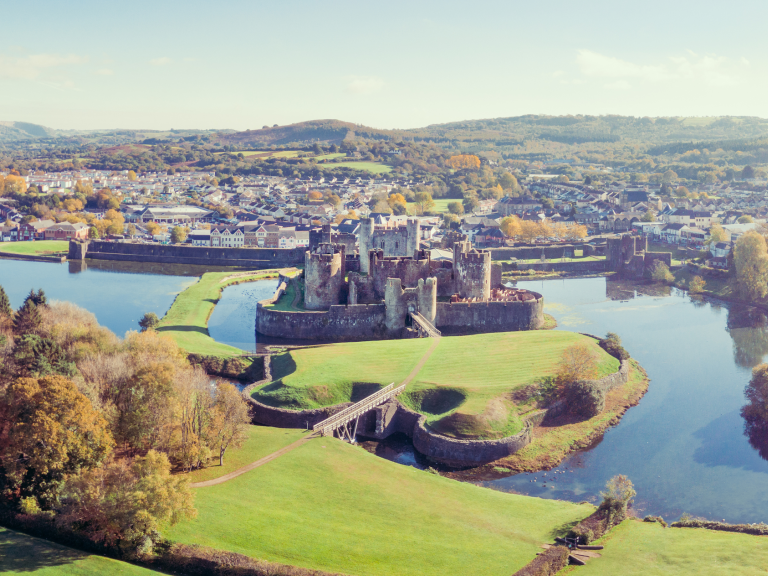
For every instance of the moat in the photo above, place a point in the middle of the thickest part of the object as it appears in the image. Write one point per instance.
(683, 446)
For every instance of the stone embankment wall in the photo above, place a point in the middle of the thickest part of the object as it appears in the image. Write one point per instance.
(392, 417)
(341, 323)
(585, 266)
(534, 252)
(490, 316)
(33, 257)
(198, 255)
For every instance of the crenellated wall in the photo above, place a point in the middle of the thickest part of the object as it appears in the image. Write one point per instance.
(340, 323)
(324, 273)
(464, 317)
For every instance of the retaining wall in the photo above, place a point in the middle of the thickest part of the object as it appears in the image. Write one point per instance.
(490, 316)
(200, 255)
(534, 252)
(586, 266)
(342, 323)
(33, 257)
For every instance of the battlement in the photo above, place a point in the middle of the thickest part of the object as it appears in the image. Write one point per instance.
(392, 239)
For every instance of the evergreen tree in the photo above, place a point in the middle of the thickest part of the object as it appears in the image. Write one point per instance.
(27, 319)
(5, 304)
(37, 298)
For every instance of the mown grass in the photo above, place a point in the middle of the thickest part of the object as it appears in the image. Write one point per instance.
(40, 247)
(441, 205)
(373, 167)
(332, 506)
(187, 320)
(636, 548)
(22, 554)
(464, 388)
(262, 441)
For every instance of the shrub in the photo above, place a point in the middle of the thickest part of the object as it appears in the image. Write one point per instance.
(614, 348)
(657, 519)
(584, 399)
(687, 521)
(660, 272)
(696, 285)
(548, 563)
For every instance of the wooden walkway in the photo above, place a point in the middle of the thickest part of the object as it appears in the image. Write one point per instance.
(300, 441)
(340, 421)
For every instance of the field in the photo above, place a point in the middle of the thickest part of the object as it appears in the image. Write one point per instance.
(38, 247)
(262, 441)
(265, 154)
(441, 205)
(187, 320)
(373, 167)
(332, 506)
(463, 393)
(22, 554)
(637, 548)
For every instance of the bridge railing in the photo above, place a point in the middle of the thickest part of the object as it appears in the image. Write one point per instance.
(358, 409)
(426, 325)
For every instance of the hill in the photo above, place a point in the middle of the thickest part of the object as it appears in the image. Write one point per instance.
(325, 131)
(11, 131)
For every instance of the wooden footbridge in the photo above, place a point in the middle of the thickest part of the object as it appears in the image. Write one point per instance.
(425, 327)
(341, 422)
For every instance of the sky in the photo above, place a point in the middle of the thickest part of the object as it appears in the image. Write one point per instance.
(245, 64)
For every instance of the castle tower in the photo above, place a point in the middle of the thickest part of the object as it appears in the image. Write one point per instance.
(428, 298)
(472, 271)
(323, 277)
(395, 307)
(413, 226)
(365, 244)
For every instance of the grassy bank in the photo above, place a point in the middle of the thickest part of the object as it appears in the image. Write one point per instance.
(22, 554)
(463, 393)
(332, 506)
(38, 247)
(187, 320)
(637, 548)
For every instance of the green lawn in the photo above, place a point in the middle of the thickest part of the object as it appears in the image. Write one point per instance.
(441, 205)
(262, 441)
(22, 554)
(37, 247)
(374, 167)
(463, 388)
(637, 548)
(187, 320)
(332, 506)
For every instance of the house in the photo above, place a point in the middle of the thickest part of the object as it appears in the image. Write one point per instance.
(34, 230)
(721, 249)
(66, 231)
(517, 205)
(199, 238)
(227, 237)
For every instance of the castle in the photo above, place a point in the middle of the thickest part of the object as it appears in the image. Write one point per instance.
(392, 289)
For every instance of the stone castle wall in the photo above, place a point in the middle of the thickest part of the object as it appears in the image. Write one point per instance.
(462, 317)
(198, 255)
(534, 252)
(324, 273)
(341, 323)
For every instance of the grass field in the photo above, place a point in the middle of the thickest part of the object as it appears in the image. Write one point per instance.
(262, 441)
(637, 548)
(22, 554)
(441, 205)
(373, 167)
(333, 506)
(463, 393)
(264, 154)
(187, 320)
(40, 247)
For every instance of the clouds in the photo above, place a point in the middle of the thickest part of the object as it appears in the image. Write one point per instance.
(691, 67)
(162, 61)
(105, 72)
(364, 85)
(34, 66)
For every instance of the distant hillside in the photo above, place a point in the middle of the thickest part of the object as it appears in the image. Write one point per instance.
(10, 131)
(324, 131)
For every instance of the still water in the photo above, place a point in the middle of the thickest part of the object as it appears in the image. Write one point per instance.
(233, 321)
(683, 446)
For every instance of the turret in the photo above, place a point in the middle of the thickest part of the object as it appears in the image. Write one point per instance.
(413, 226)
(364, 243)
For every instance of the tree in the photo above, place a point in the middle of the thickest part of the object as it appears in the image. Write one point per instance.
(178, 234)
(682, 192)
(27, 319)
(669, 176)
(230, 421)
(746, 219)
(588, 180)
(131, 175)
(617, 496)
(649, 216)
(696, 285)
(463, 161)
(153, 228)
(317, 149)
(5, 306)
(456, 208)
(93, 233)
(508, 182)
(52, 430)
(577, 363)
(717, 234)
(750, 257)
(424, 202)
(748, 173)
(314, 195)
(529, 230)
(131, 230)
(660, 272)
(149, 321)
(124, 505)
(563, 179)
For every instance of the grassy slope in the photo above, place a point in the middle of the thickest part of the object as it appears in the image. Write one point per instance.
(36, 247)
(187, 320)
(472, 386)
(22, 554)
(262, 441)
(332, 506)
(637, 548)
(374, 167)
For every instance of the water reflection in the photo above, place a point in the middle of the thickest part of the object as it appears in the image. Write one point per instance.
(748, 328)
(627, 290)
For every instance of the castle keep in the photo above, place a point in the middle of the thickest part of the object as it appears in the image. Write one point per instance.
(399, 291)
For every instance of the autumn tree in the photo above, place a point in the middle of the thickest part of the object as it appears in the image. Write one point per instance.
(424, 202)
(131, 230)
(51, 430)
(696, 285)
(746, 219)
(396, 199)
(131, 175)
(717, 234)
(179, 234)
(750, 257)
(124, 504)
(578, 362)
(314, 196)
(508, 182)
(153, 228)
(574, 378)
(456, 208)
(231, 420)
(463, 161)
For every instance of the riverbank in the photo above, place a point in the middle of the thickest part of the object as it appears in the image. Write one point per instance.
(187, 319)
